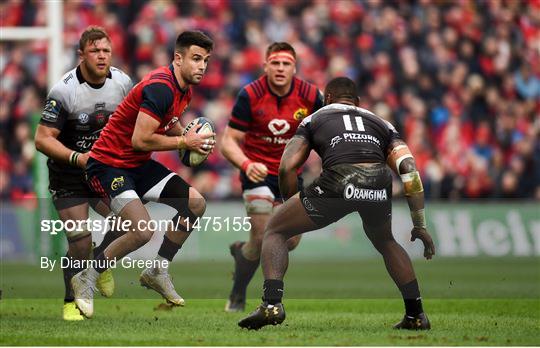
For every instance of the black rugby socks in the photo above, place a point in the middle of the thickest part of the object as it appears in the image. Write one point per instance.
(110, 236)
(412, 299)
(273, 291)
(69, 272)
(168, 249)
(244, 271)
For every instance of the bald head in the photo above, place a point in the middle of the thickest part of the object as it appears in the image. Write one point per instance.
(341, 90)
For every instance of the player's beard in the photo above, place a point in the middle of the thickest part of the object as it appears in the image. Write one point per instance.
(96, 74)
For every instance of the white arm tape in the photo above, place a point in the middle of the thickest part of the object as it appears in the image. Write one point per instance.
(399, 147)
(399, 160)
(407, 177)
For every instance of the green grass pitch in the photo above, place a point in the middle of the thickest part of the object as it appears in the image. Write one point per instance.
(469, 302)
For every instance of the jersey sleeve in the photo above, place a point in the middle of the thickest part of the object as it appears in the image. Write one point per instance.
(304, 130)
(127, 84)
(122, 79)
(241, 112)
(157, 98)
(55, 112)
(319, 101)
(393, 134)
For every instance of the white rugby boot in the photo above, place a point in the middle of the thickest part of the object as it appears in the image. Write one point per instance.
(160, 281)
(83, 284)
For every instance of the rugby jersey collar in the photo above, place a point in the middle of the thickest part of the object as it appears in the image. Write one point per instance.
(275, 95)
(183, 91)
(82, 80)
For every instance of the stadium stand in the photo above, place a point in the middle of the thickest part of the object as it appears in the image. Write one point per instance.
(464, 95)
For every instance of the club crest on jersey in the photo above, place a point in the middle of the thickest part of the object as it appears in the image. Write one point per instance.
(83, 118)
(117, 183)
(335, 140)
(300, 114)
(278, 126)
(100, 119)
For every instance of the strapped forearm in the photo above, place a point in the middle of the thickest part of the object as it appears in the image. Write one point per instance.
(414, 191)
(402, 162)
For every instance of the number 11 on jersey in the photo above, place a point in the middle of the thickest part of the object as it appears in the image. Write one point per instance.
(349, 126)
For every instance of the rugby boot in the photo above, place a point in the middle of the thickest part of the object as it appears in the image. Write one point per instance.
(161, 283)
(105, 283)
(265, 314)
(71, 312)
(419, 322)
(235, 304)
(83, 292)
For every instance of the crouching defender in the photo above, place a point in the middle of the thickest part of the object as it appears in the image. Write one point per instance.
(121, 171)
(354, 145)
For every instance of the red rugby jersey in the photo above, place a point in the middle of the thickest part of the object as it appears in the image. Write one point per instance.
(269, 120)
(158, 95)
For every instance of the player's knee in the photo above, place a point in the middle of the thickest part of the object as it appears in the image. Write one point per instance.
(271, 230)
(80, 248)
(382, 244)
(197, 203)
(379, 233)
(197, 207)
(256, 241)
(141, 236)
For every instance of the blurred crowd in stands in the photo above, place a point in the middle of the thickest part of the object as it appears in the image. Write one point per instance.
(459, 79)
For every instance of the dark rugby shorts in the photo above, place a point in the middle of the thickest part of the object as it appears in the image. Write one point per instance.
(271, 181)
(69, 190)
(108, 182)
(345, 188)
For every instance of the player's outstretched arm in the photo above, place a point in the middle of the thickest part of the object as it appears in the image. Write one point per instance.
(294, 156)
(403, 164)
(231, 150)
(47, 143)
(145, 138)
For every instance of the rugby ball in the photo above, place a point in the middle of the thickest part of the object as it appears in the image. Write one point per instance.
(193, 158)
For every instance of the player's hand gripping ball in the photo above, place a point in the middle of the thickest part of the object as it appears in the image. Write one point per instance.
(193, 158)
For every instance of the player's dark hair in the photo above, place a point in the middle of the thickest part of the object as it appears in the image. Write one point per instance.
(193, 38)
(280, 46)
(341, 88)
(91, 34)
